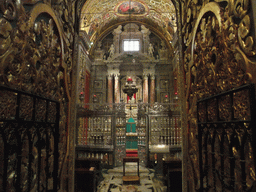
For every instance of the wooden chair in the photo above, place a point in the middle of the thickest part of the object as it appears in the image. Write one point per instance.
(131, 179)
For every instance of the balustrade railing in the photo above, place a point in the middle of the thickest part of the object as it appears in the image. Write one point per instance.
(104, 125)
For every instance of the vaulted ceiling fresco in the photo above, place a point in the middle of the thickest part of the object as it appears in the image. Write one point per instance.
(98, 15)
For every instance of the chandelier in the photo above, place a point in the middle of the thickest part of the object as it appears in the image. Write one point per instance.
(130, 87)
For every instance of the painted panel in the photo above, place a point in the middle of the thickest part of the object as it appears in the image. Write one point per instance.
(126, 8)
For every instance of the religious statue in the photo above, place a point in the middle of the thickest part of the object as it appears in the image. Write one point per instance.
(118, 30)
(144, 30)
(111, 51)
(150, 50)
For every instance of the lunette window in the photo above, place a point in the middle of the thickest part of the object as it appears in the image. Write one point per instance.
(131, 45)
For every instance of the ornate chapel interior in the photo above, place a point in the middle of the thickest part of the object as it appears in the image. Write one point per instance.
(137, 95)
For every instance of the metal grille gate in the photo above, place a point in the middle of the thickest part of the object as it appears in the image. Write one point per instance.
(226, 133)
(29, 136)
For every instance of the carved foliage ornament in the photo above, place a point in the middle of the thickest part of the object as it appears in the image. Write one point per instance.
(30, 56)
(218, 56)
(237, 12)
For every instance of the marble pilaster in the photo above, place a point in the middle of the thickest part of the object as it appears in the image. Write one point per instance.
(117, 89)
(110, 89)
(152, 88)
(113, 71)
(145, 88)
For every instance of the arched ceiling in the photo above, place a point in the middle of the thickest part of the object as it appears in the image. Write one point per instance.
(97, 16)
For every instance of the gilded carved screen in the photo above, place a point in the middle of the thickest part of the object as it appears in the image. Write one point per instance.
(36, 57)
(219, 51)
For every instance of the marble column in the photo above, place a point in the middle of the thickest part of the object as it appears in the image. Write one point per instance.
(110, 89)
(117, 90)
(145, 88)
(152, 89)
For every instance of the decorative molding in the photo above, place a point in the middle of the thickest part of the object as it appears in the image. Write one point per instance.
(98, 84)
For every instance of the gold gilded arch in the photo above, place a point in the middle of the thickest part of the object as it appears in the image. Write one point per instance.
(44, 8)
(210, 7)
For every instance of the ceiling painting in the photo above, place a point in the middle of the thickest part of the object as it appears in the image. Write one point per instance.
(128, 8)
(97, 15)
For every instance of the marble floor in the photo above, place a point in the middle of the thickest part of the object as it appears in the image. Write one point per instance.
(112, 181)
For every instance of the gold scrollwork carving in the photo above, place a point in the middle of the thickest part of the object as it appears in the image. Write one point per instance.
(26, 61)
(240, 7)
(245, 41)
(9, 9)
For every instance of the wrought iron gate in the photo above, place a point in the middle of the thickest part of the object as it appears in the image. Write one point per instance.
(29, 136)
(226, 133)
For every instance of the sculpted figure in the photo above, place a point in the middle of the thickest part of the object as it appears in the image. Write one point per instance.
(118, 29)
(111, 51)
(150, 50)
(144, 29)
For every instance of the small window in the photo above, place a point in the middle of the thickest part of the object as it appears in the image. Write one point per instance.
(131, 45)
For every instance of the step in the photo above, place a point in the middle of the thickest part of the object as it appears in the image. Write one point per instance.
(131, 179)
